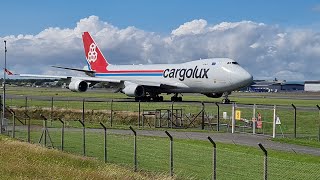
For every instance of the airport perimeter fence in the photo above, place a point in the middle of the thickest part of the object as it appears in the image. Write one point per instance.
(290, 121)
(76, 128)
(183, 158)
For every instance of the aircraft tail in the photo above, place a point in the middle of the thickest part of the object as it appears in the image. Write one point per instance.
(95, 59)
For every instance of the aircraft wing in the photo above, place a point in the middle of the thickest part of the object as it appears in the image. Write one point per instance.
(97, 79)
(90, 79)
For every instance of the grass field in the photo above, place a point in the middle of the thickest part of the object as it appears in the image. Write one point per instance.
(20, 160)
(192, 158)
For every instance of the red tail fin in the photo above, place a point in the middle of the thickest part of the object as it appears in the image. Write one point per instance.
(95, 58)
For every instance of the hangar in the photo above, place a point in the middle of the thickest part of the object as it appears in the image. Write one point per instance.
(312, 86)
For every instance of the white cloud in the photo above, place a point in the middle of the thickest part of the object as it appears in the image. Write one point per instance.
(266, 51)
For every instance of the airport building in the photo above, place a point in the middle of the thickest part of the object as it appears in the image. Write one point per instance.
(312, 86)
(276, 86)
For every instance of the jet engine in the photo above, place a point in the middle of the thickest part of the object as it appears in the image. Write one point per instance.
(78, 85)
(213, 95)
(134, 90)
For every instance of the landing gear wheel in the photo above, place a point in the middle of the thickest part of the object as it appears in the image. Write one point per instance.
(225, 101)
(176, 99)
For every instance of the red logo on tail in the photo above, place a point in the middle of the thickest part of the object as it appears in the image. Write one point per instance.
(94, 57)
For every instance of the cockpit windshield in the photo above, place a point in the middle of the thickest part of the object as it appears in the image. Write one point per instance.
(233, 62)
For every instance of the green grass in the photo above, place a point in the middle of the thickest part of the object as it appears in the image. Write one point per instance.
(303, 142)
(20, 160)
(192, 158)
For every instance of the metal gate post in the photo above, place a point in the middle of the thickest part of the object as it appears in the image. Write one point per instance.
(171, 153)
(134, 148)
(14, 123)
(295, 121)
(233, 118)
(274, 122)
(218, 123)
(111, 115)
(62, 134)
(254, 119)
(319, 123)
(84, 137)
(265, 172)
(214, 159)
(105, 141)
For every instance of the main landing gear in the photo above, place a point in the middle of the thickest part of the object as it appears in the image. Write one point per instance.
(226, 99)
(175, 98)
(149, 98)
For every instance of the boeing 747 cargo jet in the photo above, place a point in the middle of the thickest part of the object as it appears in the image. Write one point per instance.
(211, 77)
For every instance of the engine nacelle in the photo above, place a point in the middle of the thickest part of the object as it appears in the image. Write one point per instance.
(78, 86)
(213, 95)
(134, 90)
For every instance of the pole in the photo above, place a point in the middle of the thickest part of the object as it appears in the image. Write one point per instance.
(202, 116)
(139, 118)
(214, 159)
(105, 141)
(218, 123)
(265, 172)
(171, 153)
(295, 120)
(62, 134)
(233, 118)
(4, 86)
(83, 138)
(254, 119)
(319, 123)
(51, 113)
(14, 124)
(134, 148)
(172, 114)
(274, 122)
(111, 115)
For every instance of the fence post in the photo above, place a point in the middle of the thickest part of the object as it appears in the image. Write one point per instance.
(134, 148)
(214, 159)
(84, 137)
(172, 114)
(265, 172)
(29, 119)
(139, 117)
(319, 123)
(26, 109)
(14, 123)
(274, 122)
(202, 116)
(62, 134)
(51, 111)
(254, 119)
(218, 123)
(83, 101)
(295, 121)
(233, 118)
(171, 153)
(105, 141)
(111, 115)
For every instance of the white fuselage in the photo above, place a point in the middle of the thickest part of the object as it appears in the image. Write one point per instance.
(216, 75)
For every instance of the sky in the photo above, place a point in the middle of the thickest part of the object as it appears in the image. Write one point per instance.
(271, 39)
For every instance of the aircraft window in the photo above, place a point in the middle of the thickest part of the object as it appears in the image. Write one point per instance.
(213, 63)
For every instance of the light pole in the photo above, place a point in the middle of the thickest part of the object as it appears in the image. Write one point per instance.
(4, 85)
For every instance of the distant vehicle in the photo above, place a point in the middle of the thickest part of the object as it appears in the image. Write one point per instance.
(211, 77)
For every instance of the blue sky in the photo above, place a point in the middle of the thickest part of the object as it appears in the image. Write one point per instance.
(271, 38)
(30, 17)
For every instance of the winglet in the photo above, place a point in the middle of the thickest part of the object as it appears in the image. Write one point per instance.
(95, 59)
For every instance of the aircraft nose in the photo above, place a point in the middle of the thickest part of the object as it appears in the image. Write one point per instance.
(247, 77)
(241, 78)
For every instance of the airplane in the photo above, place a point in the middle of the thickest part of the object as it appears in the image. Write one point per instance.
(212, 77)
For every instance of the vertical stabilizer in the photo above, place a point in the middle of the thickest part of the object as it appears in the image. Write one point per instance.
(95, 59)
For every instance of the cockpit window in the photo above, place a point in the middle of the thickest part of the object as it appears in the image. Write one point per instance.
(232, 62)
(213, 63)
